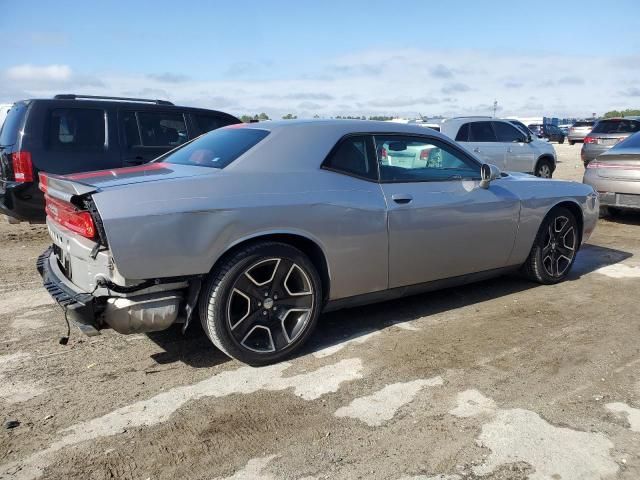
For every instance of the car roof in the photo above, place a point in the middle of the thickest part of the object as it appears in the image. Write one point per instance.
(137, 105)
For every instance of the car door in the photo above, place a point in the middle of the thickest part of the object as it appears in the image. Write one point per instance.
(148, 134)
(519, 156)
(77, 139)
(482, 142)
(441, 223)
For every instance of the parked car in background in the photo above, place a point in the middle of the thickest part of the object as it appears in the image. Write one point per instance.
(579, 130)
(615, 174)
(74, 133)
(500, 143)
(605, 134)
(4, 109)
(521, 126)
(565, 128)
(261, 239)
(547, 131)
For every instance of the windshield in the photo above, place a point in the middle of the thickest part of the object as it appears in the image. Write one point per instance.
(216, 149)
(617, 126)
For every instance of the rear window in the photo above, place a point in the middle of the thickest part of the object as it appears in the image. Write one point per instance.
(77, 128)
(12, 124)
(617, 126)
(217, 149)
(481, 132)
(584, 124)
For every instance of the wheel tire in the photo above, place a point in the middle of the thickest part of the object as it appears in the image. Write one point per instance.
(561, 140)
(221, 298)
(546, 249)
(544, 169)
(571, 142)
(610, 212)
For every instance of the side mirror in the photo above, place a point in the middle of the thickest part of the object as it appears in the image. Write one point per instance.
(488, 173)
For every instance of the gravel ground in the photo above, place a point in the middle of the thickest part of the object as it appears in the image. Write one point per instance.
(502, 379)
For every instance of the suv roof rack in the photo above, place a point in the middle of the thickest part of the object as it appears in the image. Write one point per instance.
(73, 96)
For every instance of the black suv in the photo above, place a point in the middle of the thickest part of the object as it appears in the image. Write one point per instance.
(74, 133)
(548, 131)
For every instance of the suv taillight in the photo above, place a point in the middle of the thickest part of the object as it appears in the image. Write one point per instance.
(590, 140)
(424, 154)
(67, 215)
(22, 167)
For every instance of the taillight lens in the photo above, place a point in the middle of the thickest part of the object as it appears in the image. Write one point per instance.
(67, 215)
(590, 140)
(424, 154)
(383, 154)
(22, 167)
(44, 182)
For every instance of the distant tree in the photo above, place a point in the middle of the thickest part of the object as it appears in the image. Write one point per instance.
(289, 116)
(316, 116)
(622, 113)
(256, 118)
(381, 118)
(263, 116)
(245, 118)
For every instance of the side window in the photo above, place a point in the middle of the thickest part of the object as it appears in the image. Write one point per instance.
(353, 156)
(76, 128)
(159, 129)
(414, 159)
(481, 132)
(463, 133)
(131, 132)
(507, 133)
(206, 123)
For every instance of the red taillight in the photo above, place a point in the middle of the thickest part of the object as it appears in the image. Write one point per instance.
(590, 140)
(44, 181)
(67, 215)
(22, 166)
(383, 153)
(424, 154)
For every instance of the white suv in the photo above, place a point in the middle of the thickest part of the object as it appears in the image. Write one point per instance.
(500, 143)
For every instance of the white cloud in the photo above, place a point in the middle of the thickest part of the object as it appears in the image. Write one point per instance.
(29, 72)
(373, 82)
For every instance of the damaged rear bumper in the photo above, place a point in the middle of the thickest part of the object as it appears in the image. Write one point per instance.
(132, 314)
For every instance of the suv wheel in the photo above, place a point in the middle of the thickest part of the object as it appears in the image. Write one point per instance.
(544, 169)
(561, 140)
(554, 248)
(262, 303)
(571, 142)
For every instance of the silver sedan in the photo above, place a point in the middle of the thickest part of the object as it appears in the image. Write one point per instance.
(256, 229)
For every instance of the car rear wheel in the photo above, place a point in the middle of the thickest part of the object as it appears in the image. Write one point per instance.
(261, 303)
(561, 140)
(544, 169)
(571, 142)
(554, 248)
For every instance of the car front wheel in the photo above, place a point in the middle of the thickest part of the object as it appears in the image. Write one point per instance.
(262, 303)
(544, 169)
(554, 248)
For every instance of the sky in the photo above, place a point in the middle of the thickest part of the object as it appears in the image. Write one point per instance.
(398, 58)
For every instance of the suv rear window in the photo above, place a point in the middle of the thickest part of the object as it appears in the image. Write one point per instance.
(12, 124)
(76, 127)
(616, 126)
(584, 124)
(216, 149)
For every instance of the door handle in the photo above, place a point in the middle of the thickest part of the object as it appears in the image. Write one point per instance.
(401, 198)
(477, 149)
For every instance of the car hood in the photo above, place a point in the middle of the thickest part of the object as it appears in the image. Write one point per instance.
(151, 172)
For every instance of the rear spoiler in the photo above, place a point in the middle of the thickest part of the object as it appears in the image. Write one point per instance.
(62, 188)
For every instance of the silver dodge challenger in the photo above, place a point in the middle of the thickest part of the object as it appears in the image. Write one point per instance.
(258, 228)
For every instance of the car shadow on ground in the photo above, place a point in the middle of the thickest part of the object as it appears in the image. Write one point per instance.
(335, 328)
(625, 217)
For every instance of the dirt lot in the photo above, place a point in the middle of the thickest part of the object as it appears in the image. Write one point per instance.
(498, 380)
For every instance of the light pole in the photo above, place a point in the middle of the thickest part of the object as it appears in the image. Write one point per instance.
(495, 107)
